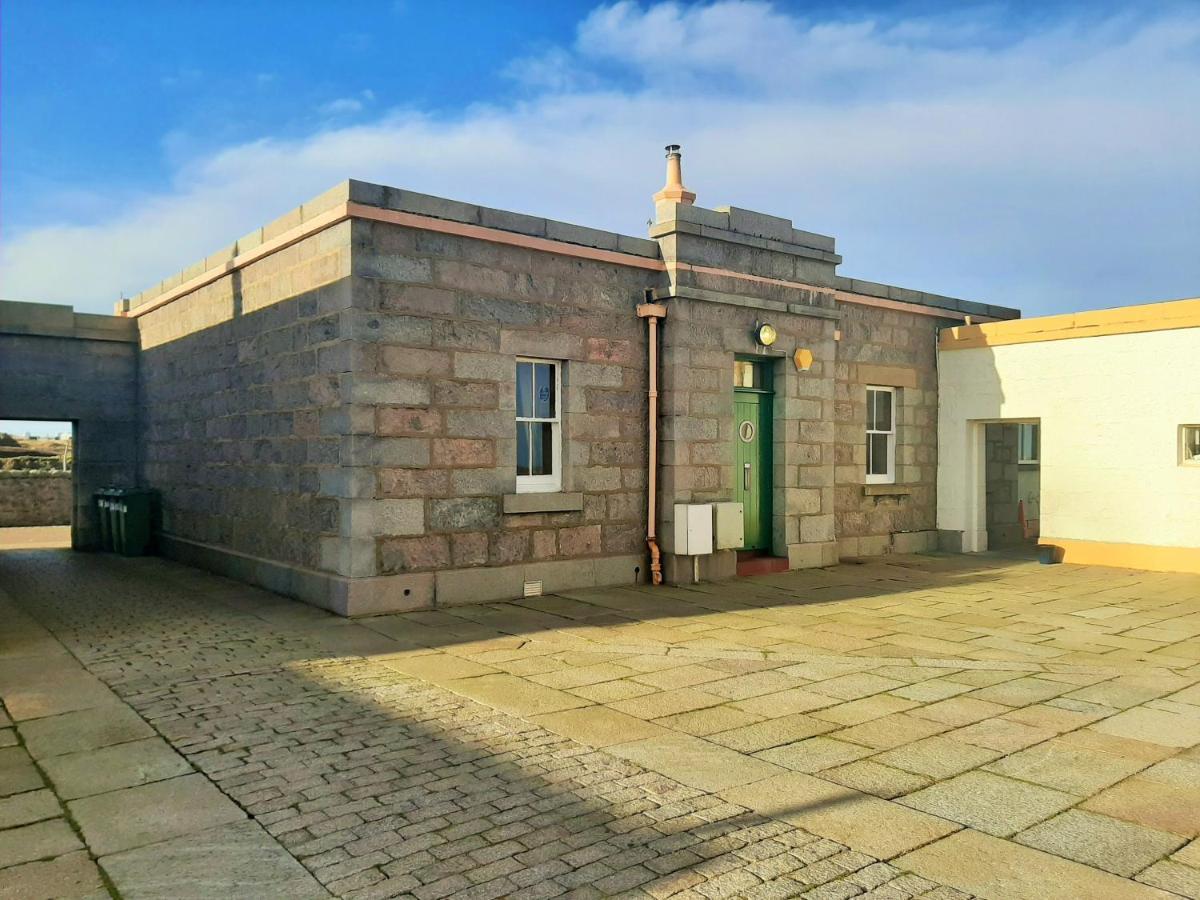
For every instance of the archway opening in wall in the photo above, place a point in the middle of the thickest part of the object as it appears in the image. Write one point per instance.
(37, 479)
(1012, 454)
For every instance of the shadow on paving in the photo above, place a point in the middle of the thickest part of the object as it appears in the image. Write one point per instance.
(889, 583)
(381, 784)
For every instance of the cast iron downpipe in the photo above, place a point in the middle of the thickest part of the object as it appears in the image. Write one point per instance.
(652, 312)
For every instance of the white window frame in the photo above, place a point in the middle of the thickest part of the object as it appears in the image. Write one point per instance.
(1184, 459)
(1037, 457)
(888, 477)
(552, 483)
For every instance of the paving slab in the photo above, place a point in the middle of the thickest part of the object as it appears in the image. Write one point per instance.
(814, 754)
(1022, 691)
(72, 876)
(1042, 715)
(136, 816)
(755, 684)
(17, 772)
(32, 806)
(930, 691)
(1189, 854)
(1150, 803)
(959, 711)
(879, 827)
(1003, 735)
(436, 667)
(1183, 773)
(1174, 877)
(771, 733)
(1127, 748)
(992, 867)
(514, 695)
(858, 711)
(1101, 841)
(41, 840)
(874, 778)
(76, 775)
(1122, 693)
(89, 729)
(680, 677)
(1154, 726)
(852, 687)
(51, 697)
(990, 803)
(785, 703)
(695, 761)
(607, 691)
(598, 726)
(938, 757)
(710, 720)
(891, 731)
(666, 703)
(1060, 765)
(238, 860)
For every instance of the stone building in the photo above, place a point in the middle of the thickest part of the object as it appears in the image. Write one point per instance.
(385, 400)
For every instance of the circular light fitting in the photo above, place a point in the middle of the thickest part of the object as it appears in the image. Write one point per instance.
(765, 334)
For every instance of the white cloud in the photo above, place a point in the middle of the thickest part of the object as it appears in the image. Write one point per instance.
(341, 107)
(1050, 169)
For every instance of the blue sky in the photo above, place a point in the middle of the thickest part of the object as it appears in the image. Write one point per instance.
(1034, 155)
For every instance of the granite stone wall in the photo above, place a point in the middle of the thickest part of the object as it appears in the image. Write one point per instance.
(429, 486)
(31, 500)
(887, 348)
(241, 387)
(711, 318)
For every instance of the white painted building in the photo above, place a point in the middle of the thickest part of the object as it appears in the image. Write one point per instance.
(1116, 398)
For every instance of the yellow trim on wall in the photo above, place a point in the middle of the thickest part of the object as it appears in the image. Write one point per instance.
(1126, 556)
(1166, 316)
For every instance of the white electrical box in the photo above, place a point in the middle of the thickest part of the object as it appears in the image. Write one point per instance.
(729, 526)
(693, 529)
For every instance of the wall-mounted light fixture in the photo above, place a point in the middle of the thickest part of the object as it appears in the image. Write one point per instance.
(765, 334)
(803, 359)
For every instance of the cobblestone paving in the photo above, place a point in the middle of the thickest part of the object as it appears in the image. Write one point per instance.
(379, 783)
(921, 726)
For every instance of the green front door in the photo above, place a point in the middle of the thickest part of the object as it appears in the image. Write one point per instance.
(752, 438)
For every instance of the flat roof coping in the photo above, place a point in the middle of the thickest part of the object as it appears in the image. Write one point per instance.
(385, 197)
(57, 320)
(753, 227)
(924, 298)
(1166, 315)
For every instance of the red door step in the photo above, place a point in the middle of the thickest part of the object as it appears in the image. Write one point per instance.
(760, 565)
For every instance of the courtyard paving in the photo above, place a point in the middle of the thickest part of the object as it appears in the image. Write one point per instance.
(927, 726)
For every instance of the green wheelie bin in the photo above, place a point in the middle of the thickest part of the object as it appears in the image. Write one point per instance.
(104, 516)
(133, 525)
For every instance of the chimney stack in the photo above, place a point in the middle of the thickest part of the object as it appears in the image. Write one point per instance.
(674, 191)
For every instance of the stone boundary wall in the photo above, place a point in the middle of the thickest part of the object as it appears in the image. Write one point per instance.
(61, 365)
(29, 500)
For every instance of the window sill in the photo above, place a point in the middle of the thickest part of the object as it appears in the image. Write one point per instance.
(887, 490)
(543, 502)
